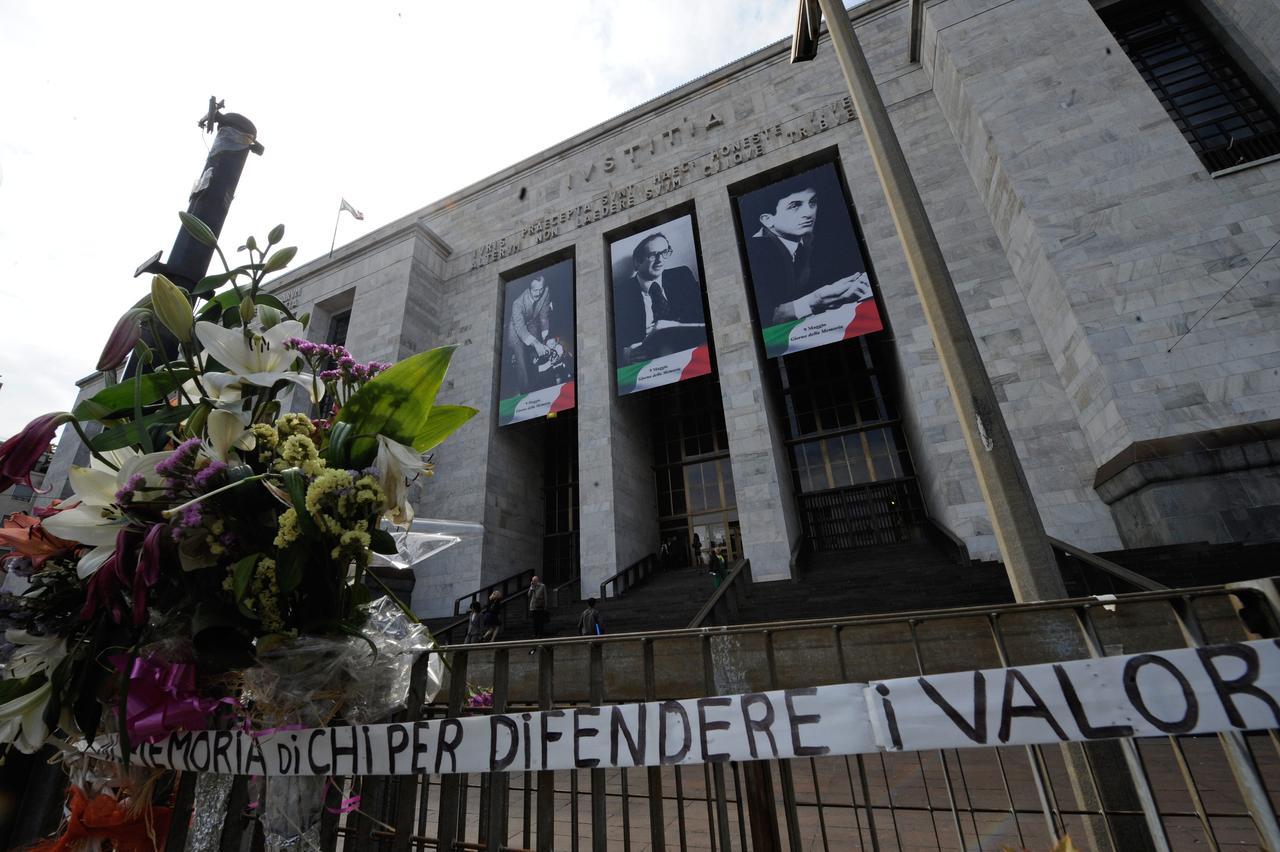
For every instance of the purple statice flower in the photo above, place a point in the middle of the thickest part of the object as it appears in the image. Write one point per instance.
(125, 494)
(191, 516)
(206, 474)
(346, 361)
(227, 539)
(330, 375)
(179, 458)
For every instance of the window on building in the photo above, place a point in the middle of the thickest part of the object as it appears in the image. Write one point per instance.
(1220, 112)
(338, 326)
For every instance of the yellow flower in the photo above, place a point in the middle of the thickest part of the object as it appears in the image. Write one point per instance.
(295, 424)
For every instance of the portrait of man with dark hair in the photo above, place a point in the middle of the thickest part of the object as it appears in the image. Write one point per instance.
(805, 261)
(537, 375)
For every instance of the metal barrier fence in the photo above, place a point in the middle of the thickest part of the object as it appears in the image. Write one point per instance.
(1179, 792)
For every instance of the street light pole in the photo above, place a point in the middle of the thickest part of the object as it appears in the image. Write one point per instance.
(1019, 532)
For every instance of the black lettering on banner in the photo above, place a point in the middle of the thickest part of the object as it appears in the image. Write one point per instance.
(1037, 709)
(704, 727)
(448, 744)
(201, 742)
(350, 752)
(497, 764)
(889, 716)
(239, 756)
(180, 741)
(157, 751)
(397, 741)
(760, 725)
(316, 768)
(255, 756)
(796, 720)
(421, 732)
(1077, 711)
(297, 753)
(141, 754)
(635, 745)
(549, 736)
(673, 708)
(1242, 685)
(221, 749)
(978, 730)
(368, 750)
(284, 759)
(528, 746)
(1189, 717)
(580, 733)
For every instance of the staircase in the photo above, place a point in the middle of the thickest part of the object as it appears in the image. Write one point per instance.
(881, 579)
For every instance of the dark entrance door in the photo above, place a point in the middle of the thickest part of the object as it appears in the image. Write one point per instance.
(697, 509)
(849, 456)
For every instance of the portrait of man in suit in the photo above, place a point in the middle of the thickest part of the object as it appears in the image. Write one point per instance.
(528, 327)
(805, 261)
(657, 308)
(537, 374)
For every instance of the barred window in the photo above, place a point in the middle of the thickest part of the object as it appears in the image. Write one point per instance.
(1221, 114)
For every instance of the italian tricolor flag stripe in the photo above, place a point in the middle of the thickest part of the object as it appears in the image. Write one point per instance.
(539, 403)
(666, 370)
(833, 326)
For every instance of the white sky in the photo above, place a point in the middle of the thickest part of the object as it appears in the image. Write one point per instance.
(376, 101)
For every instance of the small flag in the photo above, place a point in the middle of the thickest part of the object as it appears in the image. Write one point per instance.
(346, 205)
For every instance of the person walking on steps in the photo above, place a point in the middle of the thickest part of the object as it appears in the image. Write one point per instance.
(493, 617)
(538, 607)
(589, 621)
(475, 623)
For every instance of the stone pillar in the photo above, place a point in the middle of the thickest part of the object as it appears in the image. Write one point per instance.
(617, 498)
(761, 466)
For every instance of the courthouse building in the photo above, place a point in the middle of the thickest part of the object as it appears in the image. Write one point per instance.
(692, 327)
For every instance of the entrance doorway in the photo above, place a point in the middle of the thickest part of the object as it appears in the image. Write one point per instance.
(697, 507)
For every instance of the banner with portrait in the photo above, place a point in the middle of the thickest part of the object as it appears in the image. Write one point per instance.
(659, 320)
(537, 376)
(807, 272)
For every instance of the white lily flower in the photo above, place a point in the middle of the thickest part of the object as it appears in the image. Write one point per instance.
(226, 430)
(396, 464)
(22, 719)
(33, 654)
(261, 359)
(94, 518)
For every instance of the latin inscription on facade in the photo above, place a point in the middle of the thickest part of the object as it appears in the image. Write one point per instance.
(727, 155)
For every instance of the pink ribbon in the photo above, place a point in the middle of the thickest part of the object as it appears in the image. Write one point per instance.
(162, 699)
(347, 805)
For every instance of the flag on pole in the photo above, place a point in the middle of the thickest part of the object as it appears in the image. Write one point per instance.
(346, 205)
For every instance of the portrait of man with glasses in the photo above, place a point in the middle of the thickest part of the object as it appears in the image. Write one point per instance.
(657, 304)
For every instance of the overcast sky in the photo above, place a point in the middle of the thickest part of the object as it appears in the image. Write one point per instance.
(392, 105)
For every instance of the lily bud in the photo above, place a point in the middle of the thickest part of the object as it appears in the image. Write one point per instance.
(172, 308)
(246, 310)
(123, 337)
(19, 454)
(269, 316)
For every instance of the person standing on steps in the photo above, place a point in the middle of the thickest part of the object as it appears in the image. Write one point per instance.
(493, 617)
(589, 621)
(697, 551)
(475, 623)
(538, 607)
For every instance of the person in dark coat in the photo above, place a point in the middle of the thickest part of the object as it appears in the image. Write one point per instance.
(589, 621)
(493, 617)
(657, 310)
(538, 613)
(475, 623)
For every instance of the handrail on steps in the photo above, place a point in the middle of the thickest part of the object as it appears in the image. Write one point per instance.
(515, 581)
(630, 576)
(721, 600)
(445, 634)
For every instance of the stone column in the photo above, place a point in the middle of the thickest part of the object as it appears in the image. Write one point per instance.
(617, 499)
(761, 467)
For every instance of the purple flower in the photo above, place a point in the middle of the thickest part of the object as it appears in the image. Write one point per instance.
(122, 340)
(329, 375)
(125, 494)
(206, 475)
(179, 458)
(191, 516)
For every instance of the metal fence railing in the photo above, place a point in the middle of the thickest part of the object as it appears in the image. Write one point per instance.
(1174, 792)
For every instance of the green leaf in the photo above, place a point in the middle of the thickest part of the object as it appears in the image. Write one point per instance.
(443, 422)
(197, 229)
(289, 570)
(296, 484)
(280, 259)
(209, 283)
(119, 398)
(380, 541)
(228, 299)
(129, 434)
(396, 403)
(242, 575)
(335, 452)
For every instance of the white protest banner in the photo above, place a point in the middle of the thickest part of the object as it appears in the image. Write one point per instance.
(1183, 691)
(756, 725)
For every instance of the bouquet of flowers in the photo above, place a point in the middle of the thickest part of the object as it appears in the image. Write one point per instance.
(241, 480)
